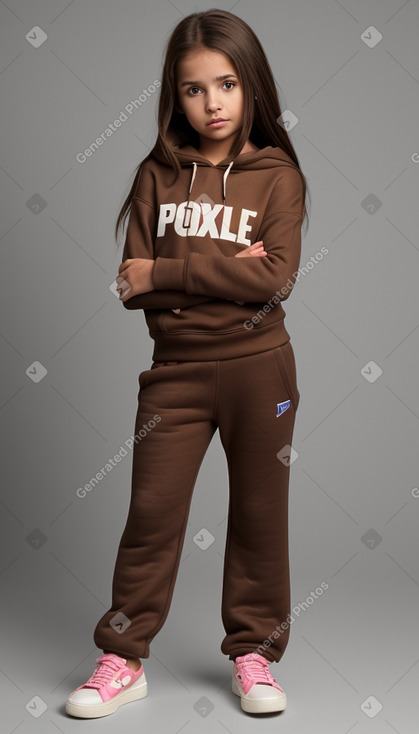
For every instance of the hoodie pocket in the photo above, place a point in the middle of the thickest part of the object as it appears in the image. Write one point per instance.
(285, 359)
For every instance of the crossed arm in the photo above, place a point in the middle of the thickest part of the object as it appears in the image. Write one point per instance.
(148, 282)
(136, 278)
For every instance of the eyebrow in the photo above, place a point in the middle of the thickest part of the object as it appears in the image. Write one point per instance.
(215, 79)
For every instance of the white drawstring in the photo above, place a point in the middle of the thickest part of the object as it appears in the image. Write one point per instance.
(226, 172)
(188, 208)
(192, 179)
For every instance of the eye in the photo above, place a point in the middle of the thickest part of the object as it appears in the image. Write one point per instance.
(191, 92)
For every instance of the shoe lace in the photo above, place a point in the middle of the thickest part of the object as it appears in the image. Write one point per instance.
(257, 669)
(104, 671)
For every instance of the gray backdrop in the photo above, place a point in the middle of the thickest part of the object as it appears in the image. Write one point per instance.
(71, 355)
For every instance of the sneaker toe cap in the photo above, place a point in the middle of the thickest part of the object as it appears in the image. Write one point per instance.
(260, 692)
(88, 696)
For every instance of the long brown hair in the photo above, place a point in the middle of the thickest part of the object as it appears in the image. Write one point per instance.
(226, 33)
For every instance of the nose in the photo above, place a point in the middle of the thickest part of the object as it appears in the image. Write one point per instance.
(213, 102)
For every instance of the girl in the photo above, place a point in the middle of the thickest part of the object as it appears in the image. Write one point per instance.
(209, 255)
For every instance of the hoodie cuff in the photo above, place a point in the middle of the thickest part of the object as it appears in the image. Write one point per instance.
(168, 274)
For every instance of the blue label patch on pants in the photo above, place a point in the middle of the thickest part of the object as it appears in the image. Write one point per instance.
(282, 407)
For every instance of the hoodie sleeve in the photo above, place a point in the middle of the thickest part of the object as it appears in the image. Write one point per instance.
(139, 243)
(248, 279)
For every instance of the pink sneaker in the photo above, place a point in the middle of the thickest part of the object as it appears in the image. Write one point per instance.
(254, 683)
(111, 685)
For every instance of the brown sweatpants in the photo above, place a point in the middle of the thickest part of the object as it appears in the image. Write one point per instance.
(180, 406)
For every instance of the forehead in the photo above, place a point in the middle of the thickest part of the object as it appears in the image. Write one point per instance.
(205, 65)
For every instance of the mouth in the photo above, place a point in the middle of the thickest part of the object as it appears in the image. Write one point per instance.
(218, 122)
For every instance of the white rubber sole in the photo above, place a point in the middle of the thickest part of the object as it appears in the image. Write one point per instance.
(259, 706)
(91, 711)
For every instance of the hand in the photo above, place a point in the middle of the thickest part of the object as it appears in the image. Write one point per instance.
(255, 250)
(135, 277)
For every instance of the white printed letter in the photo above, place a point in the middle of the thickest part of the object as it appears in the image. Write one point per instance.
(244, 227)
(167, 214)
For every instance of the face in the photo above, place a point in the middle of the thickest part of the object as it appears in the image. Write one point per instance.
(203, 97)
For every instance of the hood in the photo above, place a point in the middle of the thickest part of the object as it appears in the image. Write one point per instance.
(187, 155)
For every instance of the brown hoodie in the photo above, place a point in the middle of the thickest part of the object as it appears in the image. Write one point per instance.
(193, 230)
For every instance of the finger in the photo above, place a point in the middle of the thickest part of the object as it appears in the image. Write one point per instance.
(255, 249)
(123, 266)
(248, 251)
(123, 288)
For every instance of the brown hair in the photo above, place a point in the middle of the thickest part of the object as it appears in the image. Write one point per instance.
(226, 33)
